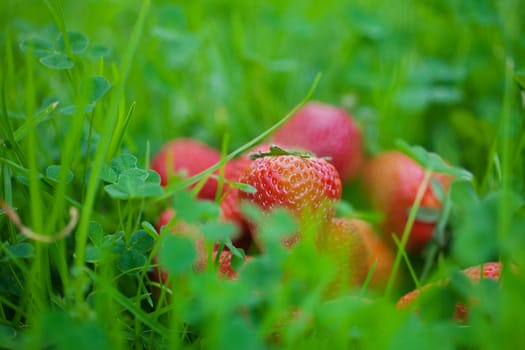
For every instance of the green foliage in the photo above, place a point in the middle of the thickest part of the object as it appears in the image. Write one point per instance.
(90, 90)
(177, 254)
(476, 228)
(53, 172)
(191, 210)
(81, 334)
(19, 251)
(432, 161)
(127, 181)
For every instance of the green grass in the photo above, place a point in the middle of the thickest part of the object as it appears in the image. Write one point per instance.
(78, 110)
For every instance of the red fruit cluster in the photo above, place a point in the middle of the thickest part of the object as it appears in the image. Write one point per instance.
(310, 186)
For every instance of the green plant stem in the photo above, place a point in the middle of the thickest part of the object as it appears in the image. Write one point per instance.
(87, 160)
(504, 214)
(8, 198)
(100, 156)
(59, 211)
(436, 246)
(411, 270)
(406, 233)
(220, 181)
(39, 279)
(6, 127)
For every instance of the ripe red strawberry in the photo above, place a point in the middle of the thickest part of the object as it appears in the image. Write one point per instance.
(344, 245)
(326, 131)
(230, 204)
(307, 186)
(491, 270)
(391, 180)
(186, 157)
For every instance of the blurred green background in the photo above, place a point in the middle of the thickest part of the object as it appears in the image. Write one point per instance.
(430, 72)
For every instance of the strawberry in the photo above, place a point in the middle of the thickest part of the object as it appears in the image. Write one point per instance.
(230, 204)
(307, 186)
(391, 181)
(490, 270)
(225, 270)
(182, 228)
(343, 244)
(186, 157)
(326, 131)
(380, 254)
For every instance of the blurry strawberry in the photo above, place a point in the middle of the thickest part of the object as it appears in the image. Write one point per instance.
(344, 245)
(224, 264)
(186, 157)
(181, 228)
(225, 268)
(326, 131)
(230, 204)
(491, 270)
(307, 186)
(230, 211)
(379, 254)
(391, 180)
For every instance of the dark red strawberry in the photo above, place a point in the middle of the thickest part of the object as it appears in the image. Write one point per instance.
(326, 131)
(307, 186)
(391, 181)
(186, 157)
